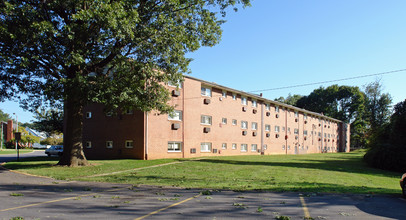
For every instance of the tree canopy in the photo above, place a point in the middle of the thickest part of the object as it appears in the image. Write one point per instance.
(70, 53)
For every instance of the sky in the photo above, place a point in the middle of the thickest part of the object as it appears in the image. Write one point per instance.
(283, 43)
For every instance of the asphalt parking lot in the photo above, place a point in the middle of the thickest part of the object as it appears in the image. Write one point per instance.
(33, 197)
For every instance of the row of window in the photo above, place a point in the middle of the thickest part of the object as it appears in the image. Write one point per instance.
(207, 147)
(109, 144)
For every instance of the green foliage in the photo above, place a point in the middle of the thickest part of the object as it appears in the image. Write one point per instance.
(377, 106)
(117, 53)
(49, 121)
(53, 140)
(387, 147)
(4, 116)
(290, 100)
(345, 103)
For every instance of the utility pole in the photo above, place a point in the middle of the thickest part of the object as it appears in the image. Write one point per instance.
(17, 126)
(1, 135)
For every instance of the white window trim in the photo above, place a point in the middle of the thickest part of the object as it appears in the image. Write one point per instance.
(88, 115)
(234, 96)
(267, 127)
(254, 103)
(206, 88)
(88, 144)
(129, 141)
(224, 146)
(224, 121)
(242, 100)
(254, 127)
(204, 123)
(209, 147)
(246, 124)
(267, 107)
(234, 121)
(177, 113)
(107, 144)
(256, 147)
(233, 146)
(224, 94)
(175, 142)
(246, 147)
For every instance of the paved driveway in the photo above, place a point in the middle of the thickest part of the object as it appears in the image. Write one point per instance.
(44, 198)
(11, 157)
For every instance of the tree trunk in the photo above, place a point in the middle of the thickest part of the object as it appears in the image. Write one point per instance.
(73, 154)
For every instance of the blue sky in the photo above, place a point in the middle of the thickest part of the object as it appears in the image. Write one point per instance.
(279, 43)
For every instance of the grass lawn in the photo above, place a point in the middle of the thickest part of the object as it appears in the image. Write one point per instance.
(13, 151)
(337, 173)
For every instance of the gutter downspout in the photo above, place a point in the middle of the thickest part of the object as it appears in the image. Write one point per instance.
(262, 129)
(183, 120)
(286, 131)
(146, 135)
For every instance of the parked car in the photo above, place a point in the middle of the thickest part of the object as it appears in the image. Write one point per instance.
(403, 184)
(54, 150)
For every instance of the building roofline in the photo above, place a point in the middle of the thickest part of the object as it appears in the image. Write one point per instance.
(258, 97)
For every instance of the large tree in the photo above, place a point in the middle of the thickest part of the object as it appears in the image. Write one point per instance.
(72, 52)
(378, 106)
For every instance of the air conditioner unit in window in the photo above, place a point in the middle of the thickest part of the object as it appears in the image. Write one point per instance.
(206, 130)
(295, 119)
(175, 93)
(254, 133)
(215, 151)
(206, 101)
(268, 114)
(175, 126)
(244, 109)
(192, 150)
(276, 135)
(277, 115)
(254, 111)
(244, 133)
(268, 134)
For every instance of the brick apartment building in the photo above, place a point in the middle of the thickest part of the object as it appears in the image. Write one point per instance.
(211, 120)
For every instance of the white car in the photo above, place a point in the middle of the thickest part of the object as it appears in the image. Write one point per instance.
(54, 150)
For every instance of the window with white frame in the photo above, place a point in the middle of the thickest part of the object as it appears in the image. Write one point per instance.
(205, 147)
(129, 144)
(305, 132)
(174, 146)
(304, 116)
(244, 124)
(254, 103)
(224, 94)
(243, 100)
(234, 121)
(276, 128)
(296, 114)
(176, 115)
(283, 128)
(88, 144)
(267, 107)
(254, 126)
(224, 146)
(244, 147)
(276, 108)
(205, 120)
(267, 127)
(175, 84)
(88, 115)
(206, 91)
(224, 121)
(234, 146)
(254, 147)
(296, 131)
(234, 96)
(109, 144)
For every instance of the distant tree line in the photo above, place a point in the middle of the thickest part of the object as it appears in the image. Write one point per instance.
(369, 111)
